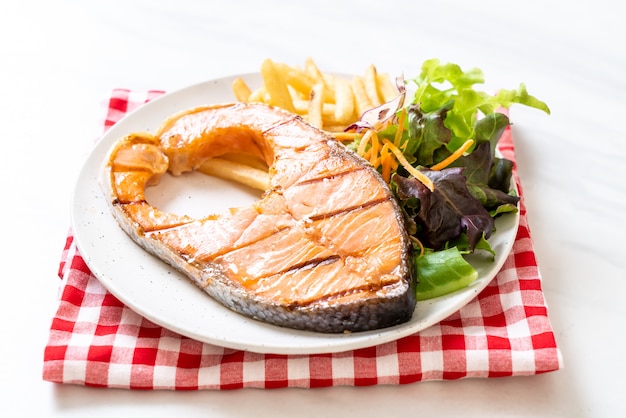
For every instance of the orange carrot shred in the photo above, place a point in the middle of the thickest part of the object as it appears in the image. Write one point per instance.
(408, 167)
(344, 136)
(454, 156)
(400, 131)
(386, 163)
(375, 148)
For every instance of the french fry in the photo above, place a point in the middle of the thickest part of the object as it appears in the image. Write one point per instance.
(301, 106)
(313, 71)
(259, 95)
(246, 159)
(241, 173)
(298, 95)
(316, 106)
(344, 102)
(361, 99)
(370, 82)
(275, 86)
(296, 78)
(328, 114)
(386, 89)
(241, 90)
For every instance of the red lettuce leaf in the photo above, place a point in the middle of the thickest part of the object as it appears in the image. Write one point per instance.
(443, 214)
(488, 178)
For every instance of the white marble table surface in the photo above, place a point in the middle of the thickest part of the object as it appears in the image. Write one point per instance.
(60, 58)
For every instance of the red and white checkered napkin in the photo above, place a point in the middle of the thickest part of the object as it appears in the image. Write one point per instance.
(97, 341)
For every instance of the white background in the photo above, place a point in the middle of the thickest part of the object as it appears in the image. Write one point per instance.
(59, 59)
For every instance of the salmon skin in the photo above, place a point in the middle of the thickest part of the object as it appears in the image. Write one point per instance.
(324, 249)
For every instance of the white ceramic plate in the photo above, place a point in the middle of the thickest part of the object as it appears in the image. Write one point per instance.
(166, 297)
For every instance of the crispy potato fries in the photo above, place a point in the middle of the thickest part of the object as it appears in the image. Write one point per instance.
(327, 101)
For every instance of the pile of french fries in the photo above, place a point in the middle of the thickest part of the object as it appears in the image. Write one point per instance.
(326, 101)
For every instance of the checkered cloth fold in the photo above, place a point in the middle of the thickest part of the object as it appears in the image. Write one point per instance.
(97, 341)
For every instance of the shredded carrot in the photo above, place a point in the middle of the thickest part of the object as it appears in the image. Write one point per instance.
(408, 167)
(375, 148)
(454, 156)
(394, 163)
(382, 155)
(400, 131)
(344, 136)
(386, 162)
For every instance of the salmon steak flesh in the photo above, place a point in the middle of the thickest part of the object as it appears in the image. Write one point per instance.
(325, 248)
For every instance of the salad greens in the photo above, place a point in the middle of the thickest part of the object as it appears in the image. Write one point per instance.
(442, 272)
(454, 216)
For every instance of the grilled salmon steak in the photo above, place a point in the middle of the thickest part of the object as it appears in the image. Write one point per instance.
(324, 249)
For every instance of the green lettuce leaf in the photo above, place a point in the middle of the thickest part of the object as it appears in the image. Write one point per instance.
(442, 272)
(427, 133)
(447, 85)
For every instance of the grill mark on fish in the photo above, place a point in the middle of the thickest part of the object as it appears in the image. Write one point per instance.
(312, 263)
(368, 287)
(120, 202)
(327, 178)
(347, 210)
(281, 123)
(331, 296)
(224, 250)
